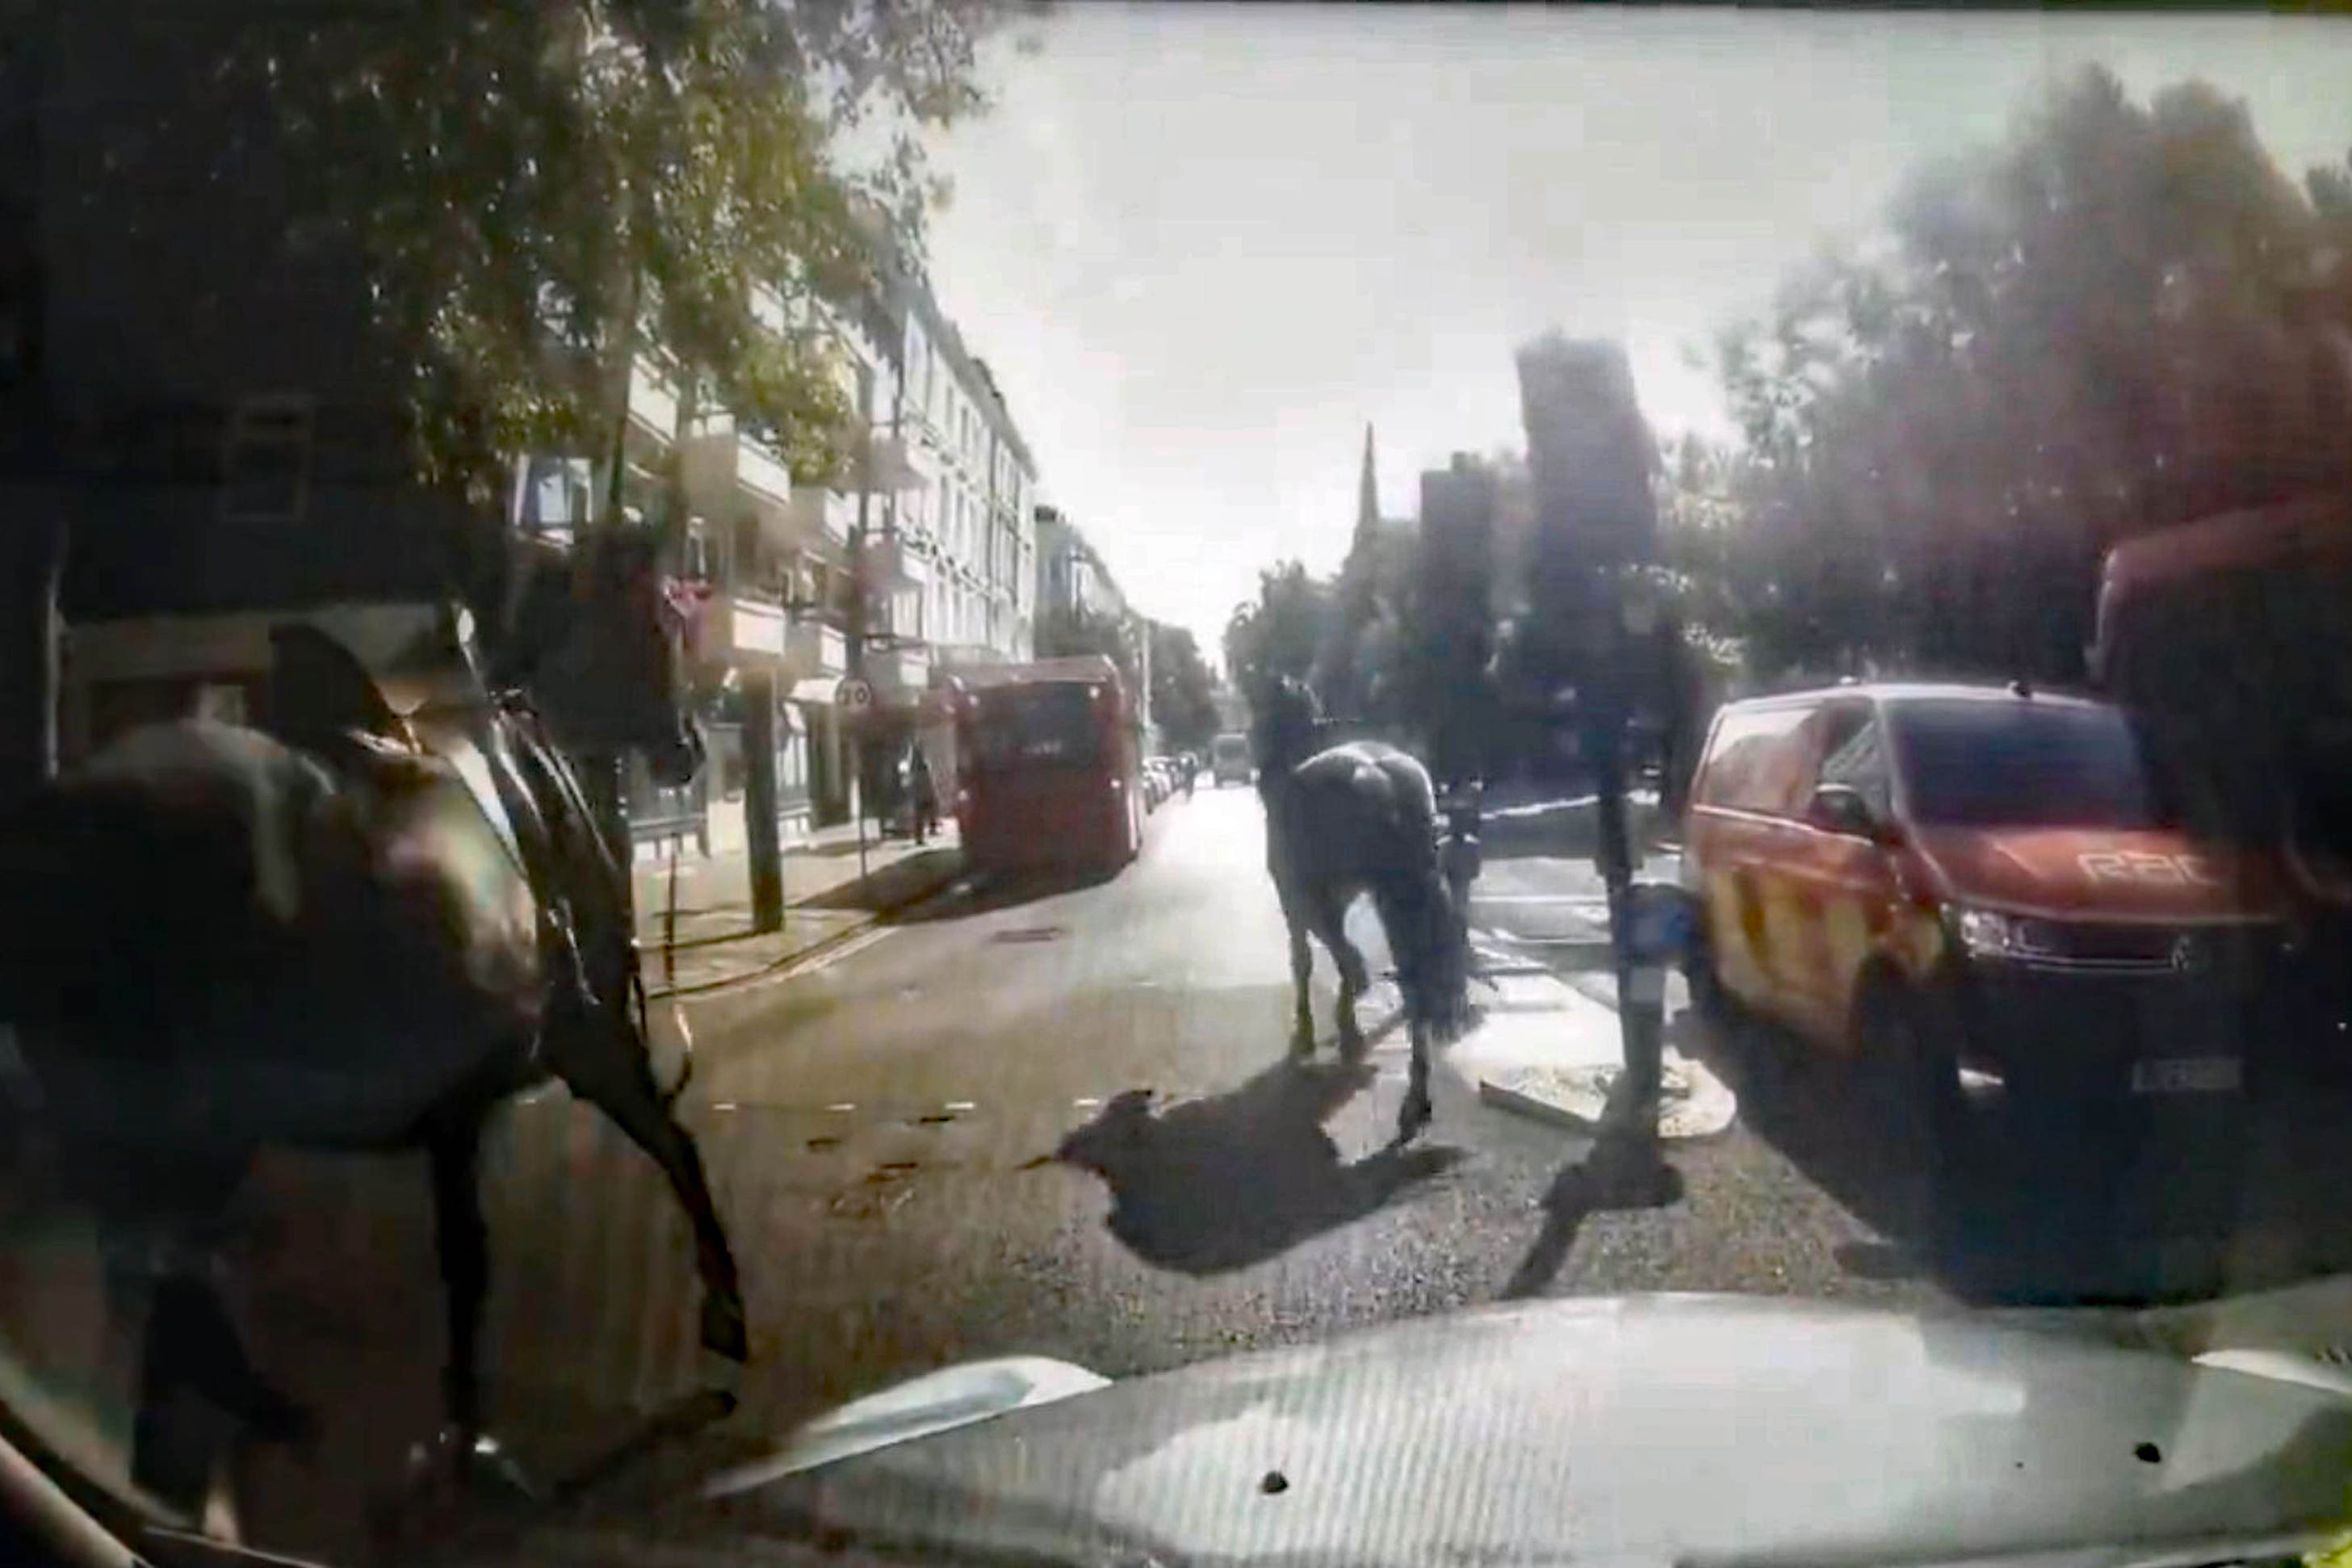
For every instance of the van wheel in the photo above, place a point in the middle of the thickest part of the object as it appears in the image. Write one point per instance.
(1912, 1078)
(1716, 1007)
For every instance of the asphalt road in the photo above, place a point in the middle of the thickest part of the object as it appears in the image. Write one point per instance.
(1061, 1122)
(1010, 1122)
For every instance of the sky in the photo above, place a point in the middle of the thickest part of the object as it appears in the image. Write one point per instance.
(1201, 246)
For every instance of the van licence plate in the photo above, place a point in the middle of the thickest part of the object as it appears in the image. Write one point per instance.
(2187, 1075)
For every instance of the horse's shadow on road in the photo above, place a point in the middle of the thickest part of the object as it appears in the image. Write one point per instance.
(1623, 1170)
(1206, 1186)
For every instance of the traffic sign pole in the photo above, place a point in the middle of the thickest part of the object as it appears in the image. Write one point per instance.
(855, 698)
(762, 839)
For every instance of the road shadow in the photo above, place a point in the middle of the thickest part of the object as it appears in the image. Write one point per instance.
(1004, 890)
(833, 849)
(2130, 1206)
(1621, 1170)
(1206, 1186)
(888, 888)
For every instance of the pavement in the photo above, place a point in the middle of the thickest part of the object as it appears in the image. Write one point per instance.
(695, 924)
(1062, 1119)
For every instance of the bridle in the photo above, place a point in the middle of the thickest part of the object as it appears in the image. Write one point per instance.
(528, 727)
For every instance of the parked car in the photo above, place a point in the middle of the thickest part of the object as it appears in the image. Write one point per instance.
(1924, 879)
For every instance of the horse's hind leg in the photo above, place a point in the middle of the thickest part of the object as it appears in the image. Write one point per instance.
(462, 1240)
(153, 1213)
(1415, 1112)
(1302, 969)
(1329, 914)
(624, 1090)
(190, 1346)
(1411, 914)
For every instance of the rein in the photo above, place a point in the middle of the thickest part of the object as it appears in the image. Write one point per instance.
(669, 988)
(530, 731)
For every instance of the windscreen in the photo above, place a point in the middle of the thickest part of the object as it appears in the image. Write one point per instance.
(1526, 385)
(1988, 763)
(1040, 726)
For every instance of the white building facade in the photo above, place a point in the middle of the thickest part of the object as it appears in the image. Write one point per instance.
(968, 506)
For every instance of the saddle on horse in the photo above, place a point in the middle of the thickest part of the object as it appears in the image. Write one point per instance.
(324, 701)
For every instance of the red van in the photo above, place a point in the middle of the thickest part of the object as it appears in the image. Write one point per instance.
(1955, 876)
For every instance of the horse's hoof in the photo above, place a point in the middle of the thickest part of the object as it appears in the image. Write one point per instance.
(1302, 1042)
(1352, 1045)
(723, 1330)
(448, 1477)
(493, 1475)
(1412, 1116)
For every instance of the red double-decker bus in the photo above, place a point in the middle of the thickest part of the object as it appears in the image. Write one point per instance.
(1050, 767)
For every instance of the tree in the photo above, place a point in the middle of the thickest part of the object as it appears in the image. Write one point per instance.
(1076, 634)
(1279, 632)
(1359, 671)
(1183, 693)
(1444, 632)
(541, 192)
(2123, 317)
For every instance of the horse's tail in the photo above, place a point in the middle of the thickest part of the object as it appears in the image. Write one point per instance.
(1427, 939)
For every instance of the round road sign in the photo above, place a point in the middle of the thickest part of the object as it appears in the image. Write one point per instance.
(853, 694)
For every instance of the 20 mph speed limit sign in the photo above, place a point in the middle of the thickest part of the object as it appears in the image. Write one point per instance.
(853, 695)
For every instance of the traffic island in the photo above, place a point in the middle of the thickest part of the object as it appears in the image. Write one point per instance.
(1546, 1050)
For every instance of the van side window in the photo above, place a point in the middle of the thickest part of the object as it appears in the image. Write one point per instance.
(1854, 754)
(1755, 763)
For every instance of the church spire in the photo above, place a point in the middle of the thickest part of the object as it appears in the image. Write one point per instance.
(1368, 495)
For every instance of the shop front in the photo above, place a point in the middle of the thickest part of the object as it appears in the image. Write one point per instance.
(900, 719)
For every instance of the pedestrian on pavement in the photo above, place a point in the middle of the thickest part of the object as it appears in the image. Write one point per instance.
(924, 796)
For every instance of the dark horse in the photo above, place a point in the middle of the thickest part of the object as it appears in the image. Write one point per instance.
(1356, 818)
(347, 929)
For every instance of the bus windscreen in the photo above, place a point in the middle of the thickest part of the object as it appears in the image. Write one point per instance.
(1040, 725)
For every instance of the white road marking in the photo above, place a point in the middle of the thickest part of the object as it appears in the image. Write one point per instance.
(960, 1105)
(1086, 1103)
(797, 968)
(842, 1105)
(724, 1105)
(847, 948)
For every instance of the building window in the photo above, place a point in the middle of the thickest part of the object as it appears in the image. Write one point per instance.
(697, 561)
(265, 463)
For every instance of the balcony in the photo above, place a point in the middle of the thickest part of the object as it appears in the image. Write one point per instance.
(816, 649)
(653, 410)
(894, 465)
(819, 513)
(739, 630)
(899, 667)
(726, 475)
(892, 563)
